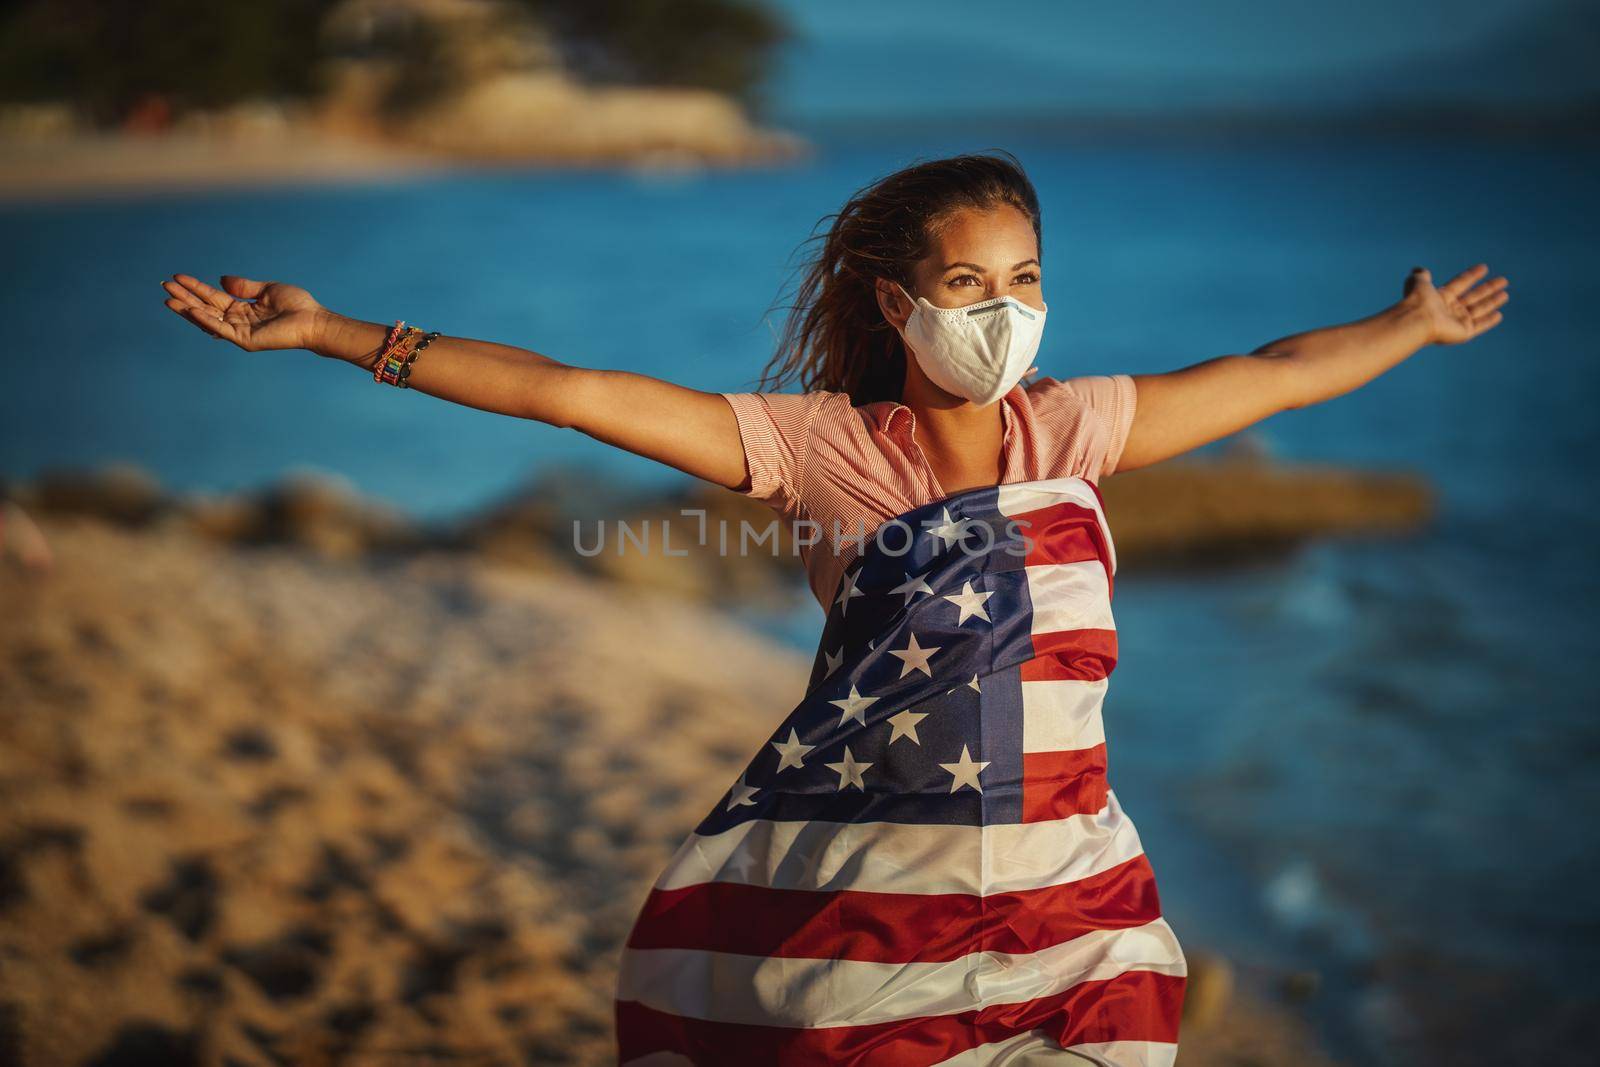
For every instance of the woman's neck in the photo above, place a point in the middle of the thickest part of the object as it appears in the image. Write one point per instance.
(962, 441)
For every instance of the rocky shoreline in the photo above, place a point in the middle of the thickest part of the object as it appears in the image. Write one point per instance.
(653, 134)
(1205, 512)
(265, 805)
(289, 779)
(533, 118)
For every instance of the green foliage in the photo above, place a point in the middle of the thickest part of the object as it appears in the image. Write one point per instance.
(109, 55)
(106, 55)
(724, 45)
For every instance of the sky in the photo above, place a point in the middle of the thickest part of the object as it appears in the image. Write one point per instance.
(1154, 56)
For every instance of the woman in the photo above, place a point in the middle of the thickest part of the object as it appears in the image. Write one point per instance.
(926, 864)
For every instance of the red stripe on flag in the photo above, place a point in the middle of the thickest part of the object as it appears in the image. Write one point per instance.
(1085, 655)
(1065, 533)
(1061, 533)
(1133, 1006)
(1056, 785)
(893, 927)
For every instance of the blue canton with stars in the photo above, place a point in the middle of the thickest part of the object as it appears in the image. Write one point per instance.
(914, 709)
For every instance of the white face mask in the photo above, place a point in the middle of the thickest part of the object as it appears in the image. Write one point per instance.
(979, 351)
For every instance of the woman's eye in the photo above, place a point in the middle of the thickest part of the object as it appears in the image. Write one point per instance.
(1026, 278)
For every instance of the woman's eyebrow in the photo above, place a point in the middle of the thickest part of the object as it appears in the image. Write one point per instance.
(980, 270)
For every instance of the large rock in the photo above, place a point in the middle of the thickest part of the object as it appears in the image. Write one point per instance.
(120, 492)
(545, 116)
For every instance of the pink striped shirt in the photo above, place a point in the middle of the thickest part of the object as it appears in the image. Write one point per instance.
(813, 456)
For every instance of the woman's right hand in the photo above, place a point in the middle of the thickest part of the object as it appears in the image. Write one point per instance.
(256, 316)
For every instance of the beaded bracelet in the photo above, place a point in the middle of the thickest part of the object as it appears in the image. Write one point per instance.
(405, 370)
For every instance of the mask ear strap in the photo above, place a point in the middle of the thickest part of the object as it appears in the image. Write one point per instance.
(909, 298)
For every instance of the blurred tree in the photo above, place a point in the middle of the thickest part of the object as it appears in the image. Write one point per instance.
(724, 45)
(142, 61)
(424, 51)
(112, 57)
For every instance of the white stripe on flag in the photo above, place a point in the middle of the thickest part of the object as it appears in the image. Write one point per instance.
(885, 857)
(1018, 497)
(1063, 714)
(1070, 596)
(1032, 1049)
(1037, 1049)
(793, 991)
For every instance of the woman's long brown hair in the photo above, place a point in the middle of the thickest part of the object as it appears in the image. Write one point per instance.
(836, 337)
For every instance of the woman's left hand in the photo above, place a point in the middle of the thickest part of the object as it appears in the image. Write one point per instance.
(1461, 308)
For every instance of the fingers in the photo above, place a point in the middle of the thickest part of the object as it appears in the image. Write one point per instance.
(207, 319)
(181, 297)
(243, 288)
(214, 324)
(208, 294)
(1464, 281)
(1484, 293)
(1481, 302)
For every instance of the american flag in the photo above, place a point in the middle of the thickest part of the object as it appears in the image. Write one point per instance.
(926, 863)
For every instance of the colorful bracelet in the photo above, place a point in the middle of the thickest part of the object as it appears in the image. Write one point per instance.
(383, 350)
(397, 355)
(400, 350)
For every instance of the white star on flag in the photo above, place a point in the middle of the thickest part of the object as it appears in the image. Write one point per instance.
(853, 706)
(833, 660)
(911, 587)
(811, 864)
(791, 751)
(948, 530)
(970, 603)
(914, 657)
(965, 771)
(846, 591)
(905, 725)
(741, 794)
(743, 868)
(850, 771)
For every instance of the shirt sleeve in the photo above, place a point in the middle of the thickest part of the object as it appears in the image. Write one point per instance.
(775, 429)
(1095, 412)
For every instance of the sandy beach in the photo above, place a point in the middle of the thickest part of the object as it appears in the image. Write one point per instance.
(109, 164)
(263, 806)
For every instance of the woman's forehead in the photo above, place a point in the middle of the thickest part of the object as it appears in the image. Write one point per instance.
(995, 238)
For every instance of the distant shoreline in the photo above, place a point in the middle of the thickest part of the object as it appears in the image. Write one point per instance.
(83, 165)
(99, 165)
(522, 119)
(86, 165)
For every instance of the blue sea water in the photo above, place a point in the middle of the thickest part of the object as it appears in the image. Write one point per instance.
(1374, 758)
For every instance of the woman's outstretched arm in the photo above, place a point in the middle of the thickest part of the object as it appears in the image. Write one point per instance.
(1190, 407)
(689, 429)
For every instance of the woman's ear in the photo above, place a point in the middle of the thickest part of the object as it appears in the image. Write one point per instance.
(893, 303)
